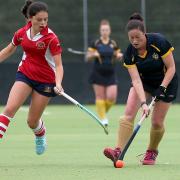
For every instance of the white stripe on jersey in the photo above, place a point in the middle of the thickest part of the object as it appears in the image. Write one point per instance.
(23, 58)
(50, 59)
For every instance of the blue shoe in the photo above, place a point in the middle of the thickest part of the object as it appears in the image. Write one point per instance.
(41, 144)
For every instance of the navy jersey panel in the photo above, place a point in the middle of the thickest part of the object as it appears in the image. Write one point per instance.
(106, 52)
(151, 67)
(103, 73)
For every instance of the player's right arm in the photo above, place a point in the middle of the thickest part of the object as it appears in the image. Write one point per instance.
(92, 53)
(11, 48)
(135, 78)
(7, 51)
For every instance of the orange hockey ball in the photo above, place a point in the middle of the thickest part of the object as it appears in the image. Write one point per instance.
(119, 164)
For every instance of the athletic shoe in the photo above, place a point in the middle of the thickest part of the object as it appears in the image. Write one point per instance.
(105, 122)
(41, 144)
(112, 154)
(150, 157)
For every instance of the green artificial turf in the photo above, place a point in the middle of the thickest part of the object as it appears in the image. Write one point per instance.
(75, 146)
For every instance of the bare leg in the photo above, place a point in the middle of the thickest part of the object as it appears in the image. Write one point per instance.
(100, 96)
(157, 130)
(18, 94)
(111, 96)
(38, 104)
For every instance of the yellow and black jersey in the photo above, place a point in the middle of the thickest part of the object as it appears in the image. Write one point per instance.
(150, 66)
(103, 71)
(106, 52)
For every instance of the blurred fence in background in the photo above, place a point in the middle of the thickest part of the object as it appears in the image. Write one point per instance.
(66, 20)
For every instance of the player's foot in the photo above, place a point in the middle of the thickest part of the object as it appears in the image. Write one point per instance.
(41, 144)
(112, 154)
(150, 157)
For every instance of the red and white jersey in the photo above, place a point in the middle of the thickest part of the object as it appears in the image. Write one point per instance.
(37, 61)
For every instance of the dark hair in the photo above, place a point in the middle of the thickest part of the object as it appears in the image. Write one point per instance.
(136, 22)
(31, 8)
(25, 8)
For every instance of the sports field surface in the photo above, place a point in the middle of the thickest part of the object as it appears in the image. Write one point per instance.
(75, 146)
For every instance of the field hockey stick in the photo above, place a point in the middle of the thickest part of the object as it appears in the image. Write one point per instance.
(136, 129)
(82, 53)
(76, 52)
(85, 110)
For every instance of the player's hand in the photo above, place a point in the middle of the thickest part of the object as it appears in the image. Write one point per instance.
(145, 109)
(96, 54)
(58, 89)
(160, 93)
(119, 56)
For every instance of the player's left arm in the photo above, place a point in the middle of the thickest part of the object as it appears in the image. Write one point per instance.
(117, 51)
(59, 71)
(170, 66)
(118, 54)
(56, 50)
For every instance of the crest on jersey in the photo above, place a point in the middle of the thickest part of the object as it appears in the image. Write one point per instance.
(20, 39)
(155, 56)
(111, 45)
(48, 89)
(40, 45)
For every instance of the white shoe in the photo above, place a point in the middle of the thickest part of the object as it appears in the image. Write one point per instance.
(105, 122)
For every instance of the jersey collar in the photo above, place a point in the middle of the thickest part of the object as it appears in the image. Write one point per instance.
(44, 31)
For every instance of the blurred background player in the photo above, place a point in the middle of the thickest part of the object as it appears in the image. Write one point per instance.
(38, 73)
(104, 51)
(151, 66)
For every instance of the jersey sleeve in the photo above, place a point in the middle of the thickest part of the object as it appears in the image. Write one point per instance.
(129, 60)
(164, 46)
(55, 47)
(92, 46)
(16, 40)
(116, 46)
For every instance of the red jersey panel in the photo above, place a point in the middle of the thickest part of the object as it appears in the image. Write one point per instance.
(37, 61)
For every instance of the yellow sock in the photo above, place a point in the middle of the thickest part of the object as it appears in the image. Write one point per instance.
(156, 135)
(124, 132)
(101, 108)
(109, 104)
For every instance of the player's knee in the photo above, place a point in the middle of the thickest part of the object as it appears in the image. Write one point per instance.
(157, 125)
(111, 99)
(127, 118)
(124, 120)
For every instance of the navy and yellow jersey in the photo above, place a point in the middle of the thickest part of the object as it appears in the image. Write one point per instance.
(150, 66)
(106, 52)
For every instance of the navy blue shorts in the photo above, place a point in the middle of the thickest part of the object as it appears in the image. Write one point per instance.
(101, 79)
(45, 89)
(171, 91)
